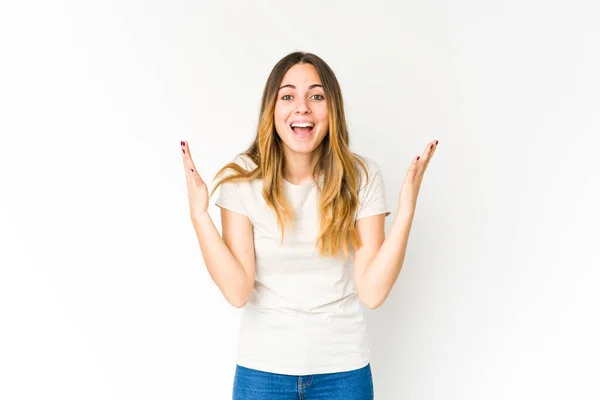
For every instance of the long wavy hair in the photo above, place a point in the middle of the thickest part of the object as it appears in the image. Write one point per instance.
(337, 165)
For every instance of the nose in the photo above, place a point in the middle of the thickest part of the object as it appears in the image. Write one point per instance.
(302, 107)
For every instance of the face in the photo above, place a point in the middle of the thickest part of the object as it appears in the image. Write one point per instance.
(301, 115)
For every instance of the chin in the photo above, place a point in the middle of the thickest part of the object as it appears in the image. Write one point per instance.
(301, 149)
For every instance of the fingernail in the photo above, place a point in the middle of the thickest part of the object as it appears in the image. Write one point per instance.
(436, 142)
(182, 143)
(183, 151)
(418, 157)
(192, 169)
(431, 147)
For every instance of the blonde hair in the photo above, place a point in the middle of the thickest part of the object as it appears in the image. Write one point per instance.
(338, 165)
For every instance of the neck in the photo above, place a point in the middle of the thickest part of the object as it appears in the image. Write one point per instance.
(298, 167)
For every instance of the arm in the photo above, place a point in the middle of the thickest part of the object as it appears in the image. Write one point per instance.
(377, 263)
(229, 259)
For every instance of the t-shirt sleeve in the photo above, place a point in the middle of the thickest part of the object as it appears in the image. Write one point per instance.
(372, 194)
(229, 198)
(230, 194)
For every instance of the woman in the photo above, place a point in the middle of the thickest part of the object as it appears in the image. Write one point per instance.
(303, 241)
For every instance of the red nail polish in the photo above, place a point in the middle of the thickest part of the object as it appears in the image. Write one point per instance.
(418, 157)
(183, 151)
(192, 169)
(431, 147)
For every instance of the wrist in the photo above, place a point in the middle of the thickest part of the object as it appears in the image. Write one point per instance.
(199, 217)
(405, 213)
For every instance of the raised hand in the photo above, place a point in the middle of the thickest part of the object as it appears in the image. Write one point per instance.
(407, 199)
(197, 189)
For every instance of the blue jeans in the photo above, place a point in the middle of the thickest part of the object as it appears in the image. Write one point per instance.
(252, 384)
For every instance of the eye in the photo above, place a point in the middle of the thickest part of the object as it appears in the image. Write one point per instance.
(321, 97)
(285, 95)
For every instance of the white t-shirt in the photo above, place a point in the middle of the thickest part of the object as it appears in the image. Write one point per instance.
(304, 316)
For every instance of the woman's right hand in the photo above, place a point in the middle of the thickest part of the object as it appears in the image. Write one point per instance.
(197, 189)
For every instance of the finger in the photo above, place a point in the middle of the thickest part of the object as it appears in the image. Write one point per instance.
(187, 157)
(414, 166)
(187, 165)
(191, 172)
(431, 147)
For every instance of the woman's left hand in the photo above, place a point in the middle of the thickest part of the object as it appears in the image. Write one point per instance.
(407, 200)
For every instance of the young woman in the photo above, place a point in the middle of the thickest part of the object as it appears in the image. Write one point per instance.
(303, 240)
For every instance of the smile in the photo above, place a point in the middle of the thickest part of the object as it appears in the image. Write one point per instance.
(303, 129)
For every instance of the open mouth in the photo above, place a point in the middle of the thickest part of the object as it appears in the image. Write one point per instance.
(302, 129)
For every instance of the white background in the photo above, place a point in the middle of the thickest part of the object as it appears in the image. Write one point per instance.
(103, 290)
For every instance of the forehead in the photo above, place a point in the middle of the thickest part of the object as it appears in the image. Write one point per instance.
(301, 75)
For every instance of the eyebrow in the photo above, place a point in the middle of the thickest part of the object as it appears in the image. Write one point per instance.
(294, 87)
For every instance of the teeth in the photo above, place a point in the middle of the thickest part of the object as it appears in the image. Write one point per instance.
(302, 124)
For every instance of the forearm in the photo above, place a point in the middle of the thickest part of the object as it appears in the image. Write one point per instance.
(383, 270)
(224, 269)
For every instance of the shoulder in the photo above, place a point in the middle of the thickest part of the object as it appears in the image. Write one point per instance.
(244, 161)
(371, 193)
(370, 164)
